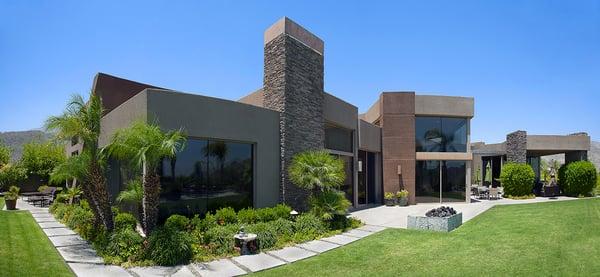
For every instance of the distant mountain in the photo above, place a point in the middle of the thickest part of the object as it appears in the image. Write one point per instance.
(15, 140)
(593, 155)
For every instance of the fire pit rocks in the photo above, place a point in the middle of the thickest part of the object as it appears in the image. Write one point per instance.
(442, 219)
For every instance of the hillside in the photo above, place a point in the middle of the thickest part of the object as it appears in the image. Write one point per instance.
(15, 140)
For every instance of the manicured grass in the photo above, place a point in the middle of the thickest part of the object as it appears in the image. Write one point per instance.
(1, 203)
(24, 248)
(559, 238)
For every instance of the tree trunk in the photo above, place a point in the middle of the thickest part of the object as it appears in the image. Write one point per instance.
(100, 194)
(151, 199)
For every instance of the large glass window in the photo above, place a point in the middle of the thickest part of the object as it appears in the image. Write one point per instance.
(440, 134)
(440, 181)
(207, 175)
(339, 139)
(348, 186)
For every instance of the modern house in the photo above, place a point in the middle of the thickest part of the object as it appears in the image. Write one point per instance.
(238, 152)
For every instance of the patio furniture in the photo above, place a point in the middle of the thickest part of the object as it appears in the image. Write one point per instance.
(493, 193)
(483, 192)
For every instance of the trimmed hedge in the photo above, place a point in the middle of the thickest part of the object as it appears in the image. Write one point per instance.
(517, 179)
(577, 178)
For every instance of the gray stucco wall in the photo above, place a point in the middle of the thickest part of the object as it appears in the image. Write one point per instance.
(122, 116)
(370, 137)
(444, 106)
(207, 117)
(339, 112)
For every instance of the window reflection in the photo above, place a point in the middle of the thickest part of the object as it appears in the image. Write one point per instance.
(205, 176)
(440, 134)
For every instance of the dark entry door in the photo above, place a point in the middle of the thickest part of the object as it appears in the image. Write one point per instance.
(366, 178)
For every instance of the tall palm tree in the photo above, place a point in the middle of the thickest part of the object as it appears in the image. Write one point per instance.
(145, 145)
(81, 120)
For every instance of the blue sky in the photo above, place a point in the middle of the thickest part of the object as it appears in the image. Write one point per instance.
(532, 65)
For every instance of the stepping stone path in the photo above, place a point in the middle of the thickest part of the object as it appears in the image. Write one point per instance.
(84, 261)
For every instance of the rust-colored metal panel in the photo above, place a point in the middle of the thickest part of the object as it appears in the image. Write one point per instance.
(114, 90)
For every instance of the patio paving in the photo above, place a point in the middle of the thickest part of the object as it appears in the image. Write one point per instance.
(83, 253)
(58, 231)
(396, 216)
(60, 241)
(292, 254)
(258, 262)
(97, 270)
(340, 239)
(318, 246)
(357, 233)
(155, 271)
(51, 224)
(223, 267)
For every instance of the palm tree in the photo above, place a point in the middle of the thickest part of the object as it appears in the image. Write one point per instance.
(81, 120)
(145, 146)
(322, 174)
(134, 194)
(72, 169)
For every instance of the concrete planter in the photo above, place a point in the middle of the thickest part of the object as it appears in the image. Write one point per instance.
(440, 224)
(403, 201)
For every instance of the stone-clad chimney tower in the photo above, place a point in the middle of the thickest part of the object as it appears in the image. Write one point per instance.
(293, 85)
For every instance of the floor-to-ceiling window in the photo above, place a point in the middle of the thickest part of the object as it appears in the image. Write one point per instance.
(207, 175)
(440, 181)
(366, 178)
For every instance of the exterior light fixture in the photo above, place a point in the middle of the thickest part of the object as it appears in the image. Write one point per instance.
(359, 166)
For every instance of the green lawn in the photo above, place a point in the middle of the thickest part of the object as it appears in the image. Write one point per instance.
(24, 248)
(560, 238)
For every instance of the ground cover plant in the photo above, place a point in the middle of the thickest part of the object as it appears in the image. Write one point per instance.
(544, 239)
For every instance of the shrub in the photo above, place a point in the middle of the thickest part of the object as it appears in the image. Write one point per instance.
(282, 227)
(226, 216)
(220, 239)
(578, 178)
(247, 216)
(59, 210)
(265, 234)
(81, 220)
(389, 195)
(517, 179)
(402, 193)
(125, 221)
(282, 211)
(209, 221)
(308, 226)
(266, 214)
(126, 244)
(329, 204)
(178, 222)
(167, 246)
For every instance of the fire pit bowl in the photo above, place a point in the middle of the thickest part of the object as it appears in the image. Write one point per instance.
(442, 219)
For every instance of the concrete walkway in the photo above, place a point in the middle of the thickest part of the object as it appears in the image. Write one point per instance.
(396, 217)
(84, 261)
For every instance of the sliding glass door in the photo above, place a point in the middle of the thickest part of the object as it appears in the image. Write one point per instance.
(440, 181)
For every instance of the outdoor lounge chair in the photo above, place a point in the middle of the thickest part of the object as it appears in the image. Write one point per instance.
(494, 193)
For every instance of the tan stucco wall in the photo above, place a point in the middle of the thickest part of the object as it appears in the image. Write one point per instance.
(444, 106)
(373, 113)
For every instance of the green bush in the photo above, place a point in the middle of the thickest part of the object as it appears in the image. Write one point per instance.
(226, 216)
(220, 240)
(209, 221)
(266, 214)
(282, 227)
(125, 221)
(81, 220)
(126, 244)
(578, 178)
(167, 246)
(517, 179)
(308, 226)
(282, 211)
(329, 204)
(265, 234)
(247, 216)
(178, 222)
